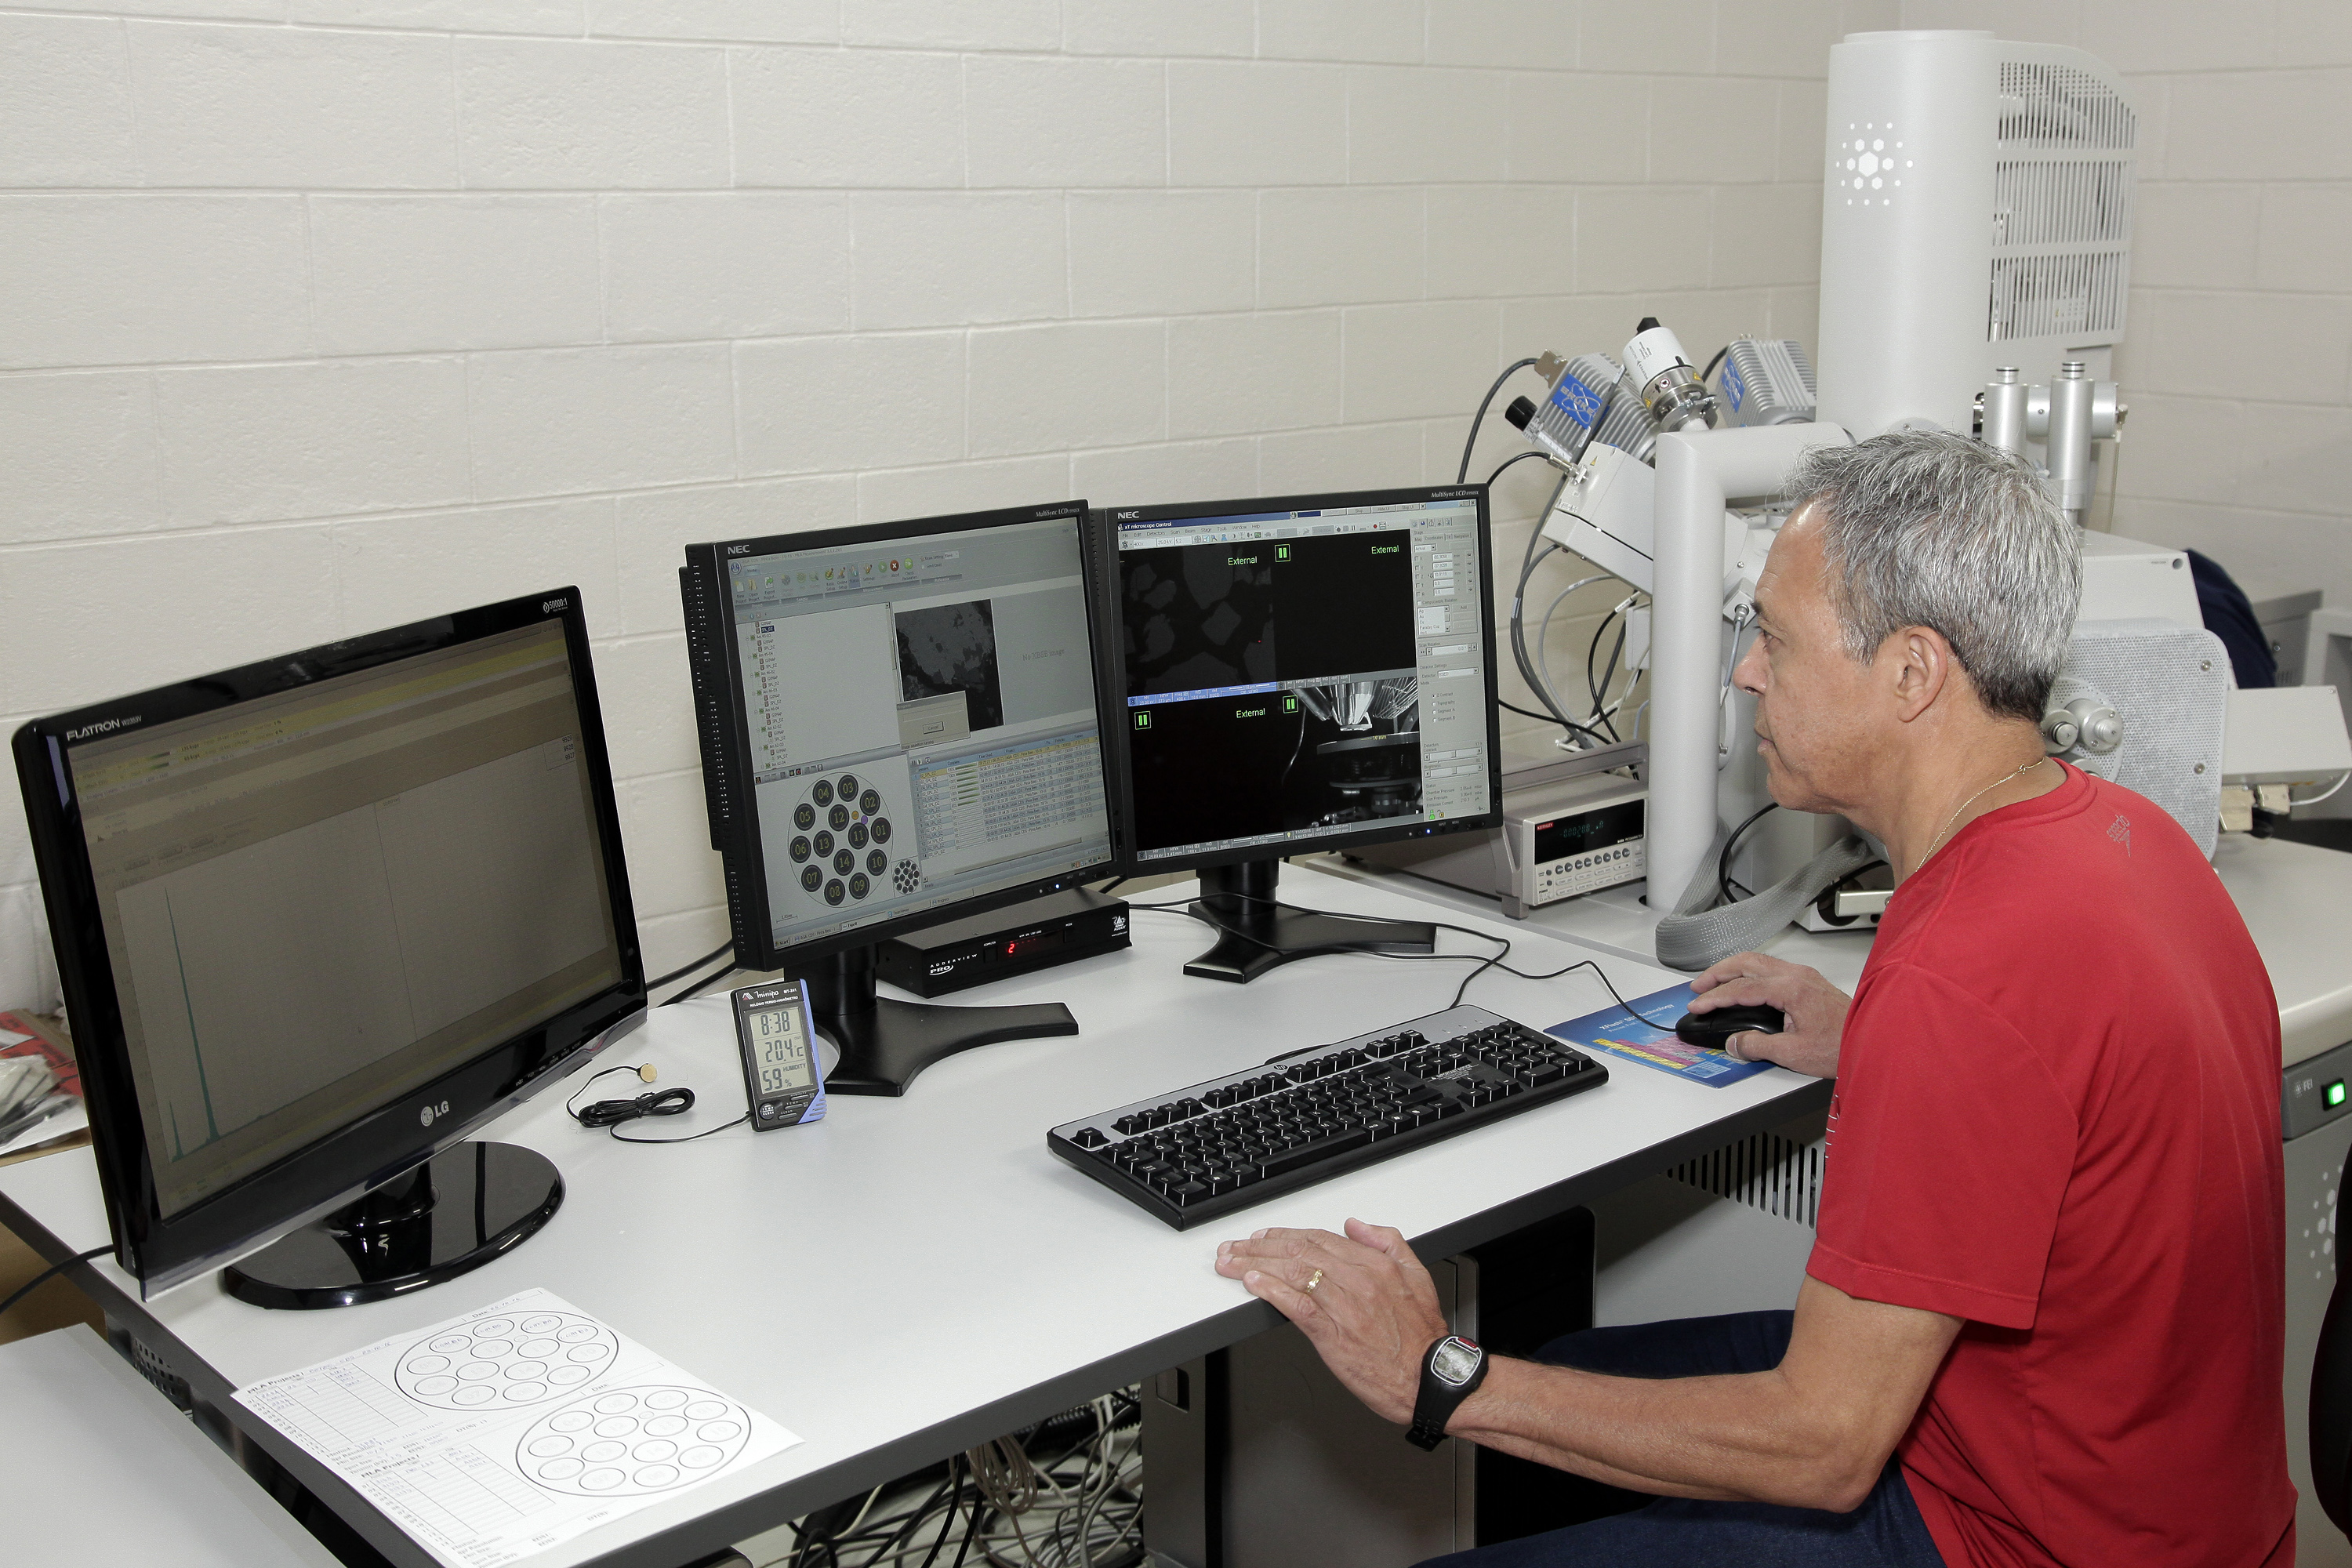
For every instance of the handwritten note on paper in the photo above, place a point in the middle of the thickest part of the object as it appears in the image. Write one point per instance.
(508, 1430)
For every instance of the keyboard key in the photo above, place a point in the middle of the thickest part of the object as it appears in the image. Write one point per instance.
(1306, 1155)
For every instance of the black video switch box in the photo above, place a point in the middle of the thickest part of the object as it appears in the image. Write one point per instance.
(1057, 929)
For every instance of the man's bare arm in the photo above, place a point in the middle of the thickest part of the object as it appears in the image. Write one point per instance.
(1815, 1432)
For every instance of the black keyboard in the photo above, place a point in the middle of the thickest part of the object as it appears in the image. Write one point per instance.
(1233, 1141)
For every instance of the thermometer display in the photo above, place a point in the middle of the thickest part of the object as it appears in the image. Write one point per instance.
(783, 1079)
(779, 1048)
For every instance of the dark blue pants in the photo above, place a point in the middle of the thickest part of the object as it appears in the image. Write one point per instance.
(1885, 1532)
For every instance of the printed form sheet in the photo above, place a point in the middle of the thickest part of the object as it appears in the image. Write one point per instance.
(504, 1431)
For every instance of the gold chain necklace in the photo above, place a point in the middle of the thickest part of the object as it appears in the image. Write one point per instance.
(1937, 841)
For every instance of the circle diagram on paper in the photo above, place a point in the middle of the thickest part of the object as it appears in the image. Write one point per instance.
(633, 1442)
(500, 1363)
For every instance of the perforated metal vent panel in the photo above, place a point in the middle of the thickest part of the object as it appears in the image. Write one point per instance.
(1781, 1176)
(2061, 214)
(2171, 684)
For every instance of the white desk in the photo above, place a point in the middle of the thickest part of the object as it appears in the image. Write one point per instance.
(106, 1472)
(912, 1276)
(2296, 901)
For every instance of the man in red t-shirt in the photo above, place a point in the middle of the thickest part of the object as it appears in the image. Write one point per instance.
(2043, 1321)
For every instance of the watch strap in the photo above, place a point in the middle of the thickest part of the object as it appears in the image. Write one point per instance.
(1439, 1399)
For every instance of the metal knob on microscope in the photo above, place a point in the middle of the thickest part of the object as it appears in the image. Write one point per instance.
(2069, 448)
(2102, 728)
(2003, 401)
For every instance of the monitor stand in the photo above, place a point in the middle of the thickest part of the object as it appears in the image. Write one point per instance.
(1257, 933)
(466, 1205)
(883, 1044)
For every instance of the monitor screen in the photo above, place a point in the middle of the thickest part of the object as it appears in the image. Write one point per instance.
(317, 901)
(916, 710)
(1299, 673)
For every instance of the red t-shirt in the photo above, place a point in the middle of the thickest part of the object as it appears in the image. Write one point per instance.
(2057, 1116)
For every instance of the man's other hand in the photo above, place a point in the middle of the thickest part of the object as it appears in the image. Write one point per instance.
(1814, 1011)
(1373, 1315)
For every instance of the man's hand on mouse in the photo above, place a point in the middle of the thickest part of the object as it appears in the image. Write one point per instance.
(1371, 1311)
(1808, 1042)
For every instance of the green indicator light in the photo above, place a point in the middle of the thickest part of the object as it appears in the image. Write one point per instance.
(2332, 1094)
(1143, 720)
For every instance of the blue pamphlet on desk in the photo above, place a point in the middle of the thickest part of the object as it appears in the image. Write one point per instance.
(1619, 1033)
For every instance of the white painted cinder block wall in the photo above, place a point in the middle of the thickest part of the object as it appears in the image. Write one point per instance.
(322, 315)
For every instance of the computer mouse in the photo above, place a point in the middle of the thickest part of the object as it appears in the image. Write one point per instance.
(1712, 1029)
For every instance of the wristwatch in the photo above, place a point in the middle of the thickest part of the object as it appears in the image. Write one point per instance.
(1450, 1373)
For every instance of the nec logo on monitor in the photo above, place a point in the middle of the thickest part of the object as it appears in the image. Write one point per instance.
(1128, 516)
(738, 550)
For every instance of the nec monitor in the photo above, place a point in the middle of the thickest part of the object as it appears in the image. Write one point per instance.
(317, 920)
(900, 727)
(1292, 675)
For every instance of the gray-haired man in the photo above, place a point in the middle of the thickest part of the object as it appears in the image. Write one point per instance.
(2042, 1321)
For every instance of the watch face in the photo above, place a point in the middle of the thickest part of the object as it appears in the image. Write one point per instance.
(1454, 1361)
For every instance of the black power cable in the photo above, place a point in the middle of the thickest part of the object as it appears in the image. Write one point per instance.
(1480, 417)
(955, 1499)
(1507, 462)
(1527, 565)
(1609, 670)
(683, 969)
(1595, 687)
(721, 973)
(1708, 373)
(610, 1114)
(1495, 961)
(51, 1273)
(1531, 713)
(1723, 861)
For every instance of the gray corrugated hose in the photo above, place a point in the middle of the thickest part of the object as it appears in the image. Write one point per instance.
(1694, 936)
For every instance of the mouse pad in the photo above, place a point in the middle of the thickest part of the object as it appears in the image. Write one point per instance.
(1620, 1033)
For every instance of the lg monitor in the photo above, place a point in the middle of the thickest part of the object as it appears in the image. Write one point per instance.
(1291, 675)
(899, 726)
(317, 921)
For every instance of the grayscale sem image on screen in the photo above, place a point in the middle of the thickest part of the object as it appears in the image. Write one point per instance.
(1295, 675)
(1201, 620)
(951, 648)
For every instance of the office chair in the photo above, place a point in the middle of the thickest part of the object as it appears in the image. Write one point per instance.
(2331, 1411)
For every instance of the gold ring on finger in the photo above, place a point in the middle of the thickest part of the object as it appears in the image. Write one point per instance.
(1312, 1280)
